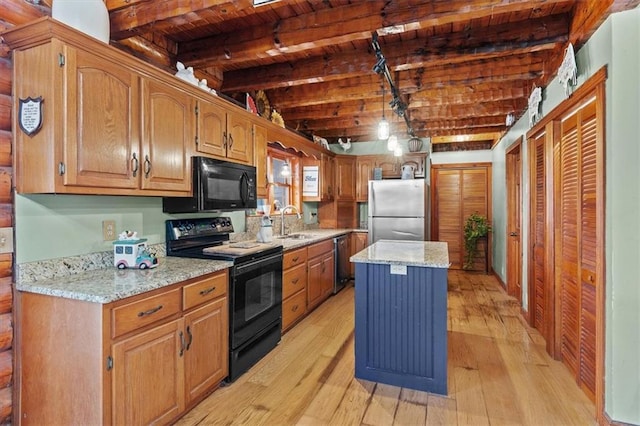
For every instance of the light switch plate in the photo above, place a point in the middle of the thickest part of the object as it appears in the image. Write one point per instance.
(6, 240)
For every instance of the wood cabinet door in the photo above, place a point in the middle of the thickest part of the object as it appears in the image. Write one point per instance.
(168, 131)
(328, 274)
(326, 182)
(314, 282)
(148, 376)
(260, 160)
(206, 355)
(358, 243)
(346, 178)
(390, 166)
(102, 132)
(239, 139)
(212, 124)
(364, 174)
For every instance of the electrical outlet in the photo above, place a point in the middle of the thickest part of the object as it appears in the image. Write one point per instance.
(6, 240)
(109, 230)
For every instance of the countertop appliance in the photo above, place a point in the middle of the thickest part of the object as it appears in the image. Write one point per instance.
(217, 186)
(397, 210)
(342, 264)
(255, 285)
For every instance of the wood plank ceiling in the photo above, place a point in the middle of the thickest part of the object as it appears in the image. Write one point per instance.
(461, 66)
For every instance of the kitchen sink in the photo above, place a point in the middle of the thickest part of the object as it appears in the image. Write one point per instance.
(296, 236)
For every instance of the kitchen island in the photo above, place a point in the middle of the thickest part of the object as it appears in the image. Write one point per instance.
(401, 314)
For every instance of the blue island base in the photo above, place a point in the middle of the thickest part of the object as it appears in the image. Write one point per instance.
(401, 326)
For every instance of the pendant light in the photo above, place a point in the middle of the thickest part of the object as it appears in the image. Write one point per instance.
(286, 170)
(392, 142)
(383, 125)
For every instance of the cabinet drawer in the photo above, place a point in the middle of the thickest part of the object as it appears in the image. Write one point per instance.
(293, 308)
(143, 312)
(319, 248)
(294, 280)
(294, 257)
(204, 290)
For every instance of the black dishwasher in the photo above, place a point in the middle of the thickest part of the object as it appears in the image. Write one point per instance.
(342, 269)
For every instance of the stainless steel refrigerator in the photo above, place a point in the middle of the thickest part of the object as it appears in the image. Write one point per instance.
(397, 210)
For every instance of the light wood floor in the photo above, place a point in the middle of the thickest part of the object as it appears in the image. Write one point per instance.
(499, 373)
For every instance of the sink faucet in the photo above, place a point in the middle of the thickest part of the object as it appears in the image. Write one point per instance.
(282, 210)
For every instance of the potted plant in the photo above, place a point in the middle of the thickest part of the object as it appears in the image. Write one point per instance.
(476, 227)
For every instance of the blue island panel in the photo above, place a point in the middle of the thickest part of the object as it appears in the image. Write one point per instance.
(401, 326)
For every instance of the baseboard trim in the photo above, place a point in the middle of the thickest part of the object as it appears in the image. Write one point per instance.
(605, 420)
(502, 283)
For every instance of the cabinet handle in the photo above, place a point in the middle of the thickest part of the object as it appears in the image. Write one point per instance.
(323, 267)
(207, 291)
(295, 308)
(224, 140)
(230, 140)
(150, 311)
(182, 343)
(147, 166)
(134, 164)
(190, 337)
(295, 259)
(294, 281)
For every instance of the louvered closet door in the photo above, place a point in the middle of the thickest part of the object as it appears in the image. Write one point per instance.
(538, 211)
(448, 186)
(579, 243)
(459, 192)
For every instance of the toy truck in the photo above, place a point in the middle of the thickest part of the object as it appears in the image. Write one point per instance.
(133, 254)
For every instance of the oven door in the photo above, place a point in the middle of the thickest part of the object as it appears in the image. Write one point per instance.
(256, 298)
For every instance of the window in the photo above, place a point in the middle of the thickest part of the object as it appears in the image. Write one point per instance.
(282, 188)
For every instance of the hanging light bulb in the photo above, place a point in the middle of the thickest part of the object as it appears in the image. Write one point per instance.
(392, 142)
(397, 151)
(383, 125)
(286, 170)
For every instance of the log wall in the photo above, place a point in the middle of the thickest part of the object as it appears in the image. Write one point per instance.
(12, 12)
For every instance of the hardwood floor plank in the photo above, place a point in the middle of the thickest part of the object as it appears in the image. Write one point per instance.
(382, 408)
(498, 373)
(441, 411)
(470, 403)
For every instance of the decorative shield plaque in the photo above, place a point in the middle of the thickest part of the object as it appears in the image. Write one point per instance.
(30, 115)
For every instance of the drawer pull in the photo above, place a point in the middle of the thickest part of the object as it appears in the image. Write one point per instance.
(295, 281)
(190, 337)
(207, 291)
(295, 308)
(295, 259)
(150, 311)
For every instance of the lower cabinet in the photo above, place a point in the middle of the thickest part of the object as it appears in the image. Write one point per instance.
(320, 272)
(359, 241)
(141, 360)
(307, 280)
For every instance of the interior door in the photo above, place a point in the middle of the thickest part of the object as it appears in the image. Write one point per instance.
(514, 202)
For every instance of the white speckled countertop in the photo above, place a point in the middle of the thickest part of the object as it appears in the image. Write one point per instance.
(429, 254)
(111, 284)
(93, 278)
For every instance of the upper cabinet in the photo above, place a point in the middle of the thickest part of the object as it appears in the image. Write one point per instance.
(346, 178)
(260, 160)
(223, 133)
(167, 131)
(364, 165)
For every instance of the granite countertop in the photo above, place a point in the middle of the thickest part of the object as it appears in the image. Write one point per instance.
(311, 237)
(93, 278)
(430, 254)
(110, 284)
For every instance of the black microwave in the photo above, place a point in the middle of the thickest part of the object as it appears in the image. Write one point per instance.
(217, 185)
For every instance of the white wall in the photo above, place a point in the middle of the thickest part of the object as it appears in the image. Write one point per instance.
(614, 44)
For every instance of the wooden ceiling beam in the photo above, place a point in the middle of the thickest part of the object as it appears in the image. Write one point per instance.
(134, 17)
(357, 21)
(369, 87)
